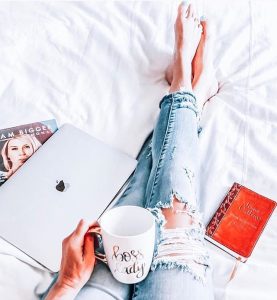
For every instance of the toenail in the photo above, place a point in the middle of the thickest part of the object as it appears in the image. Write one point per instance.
(185, 5)
(203, 18)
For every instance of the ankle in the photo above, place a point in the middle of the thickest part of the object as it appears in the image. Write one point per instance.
(181, 76)
(176, 87)
(180, 85)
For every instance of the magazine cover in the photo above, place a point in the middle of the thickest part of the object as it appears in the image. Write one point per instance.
(18, 143)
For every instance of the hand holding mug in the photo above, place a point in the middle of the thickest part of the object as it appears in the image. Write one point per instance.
(78, 258)
(128, 234)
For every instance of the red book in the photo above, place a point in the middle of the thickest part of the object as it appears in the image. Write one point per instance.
(239, 221)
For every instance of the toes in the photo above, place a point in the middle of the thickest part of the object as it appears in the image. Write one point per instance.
(191, 11)
(204, 26)
(196, 22)
(200, 27)
(182, 9)
(208, 30)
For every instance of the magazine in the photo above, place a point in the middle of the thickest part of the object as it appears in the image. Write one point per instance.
(18, 143)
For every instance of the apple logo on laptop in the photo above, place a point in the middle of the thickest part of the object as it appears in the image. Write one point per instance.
(61, 186)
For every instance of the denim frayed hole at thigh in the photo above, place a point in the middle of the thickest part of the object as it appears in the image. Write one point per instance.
(182, 248)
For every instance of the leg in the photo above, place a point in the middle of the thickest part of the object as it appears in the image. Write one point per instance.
(180, 268)
(103, 286)
(171, 190)
(180, 264)
(204, 82)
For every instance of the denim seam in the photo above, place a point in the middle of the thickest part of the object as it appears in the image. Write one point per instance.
(126, 192)
(135, 292)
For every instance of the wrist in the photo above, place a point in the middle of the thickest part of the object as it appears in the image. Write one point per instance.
(61, 291)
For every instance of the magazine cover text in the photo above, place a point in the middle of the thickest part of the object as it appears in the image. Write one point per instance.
(18, 143)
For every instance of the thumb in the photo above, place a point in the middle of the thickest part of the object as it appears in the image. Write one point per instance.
(89, 248)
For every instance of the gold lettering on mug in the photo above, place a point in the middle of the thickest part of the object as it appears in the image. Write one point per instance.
(134, 257)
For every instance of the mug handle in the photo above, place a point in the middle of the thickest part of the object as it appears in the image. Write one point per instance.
(97, 231)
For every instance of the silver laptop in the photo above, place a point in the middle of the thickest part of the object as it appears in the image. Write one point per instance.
(72, 176)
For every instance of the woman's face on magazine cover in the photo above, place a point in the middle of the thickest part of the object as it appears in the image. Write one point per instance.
(19, 150)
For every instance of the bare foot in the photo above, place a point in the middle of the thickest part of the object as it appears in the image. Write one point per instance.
(204, 82)
(187, 36)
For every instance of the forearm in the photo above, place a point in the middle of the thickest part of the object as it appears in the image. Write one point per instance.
(59, 292)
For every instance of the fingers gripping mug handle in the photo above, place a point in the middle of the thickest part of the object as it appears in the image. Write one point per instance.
(98, 255)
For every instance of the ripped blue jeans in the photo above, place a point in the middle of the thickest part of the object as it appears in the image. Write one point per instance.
(167, 170)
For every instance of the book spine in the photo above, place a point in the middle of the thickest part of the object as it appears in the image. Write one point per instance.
(223, 208)
(226, 249)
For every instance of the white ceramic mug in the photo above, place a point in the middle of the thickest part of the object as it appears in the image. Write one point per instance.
(128, 234)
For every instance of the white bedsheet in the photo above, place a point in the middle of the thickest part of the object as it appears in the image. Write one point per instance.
(100, 66)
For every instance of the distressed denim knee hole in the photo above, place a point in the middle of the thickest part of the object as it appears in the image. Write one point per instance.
(180, 247)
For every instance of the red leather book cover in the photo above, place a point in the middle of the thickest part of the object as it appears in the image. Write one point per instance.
(239, 221)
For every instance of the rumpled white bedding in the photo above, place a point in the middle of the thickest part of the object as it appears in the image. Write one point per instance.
(100, 65)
